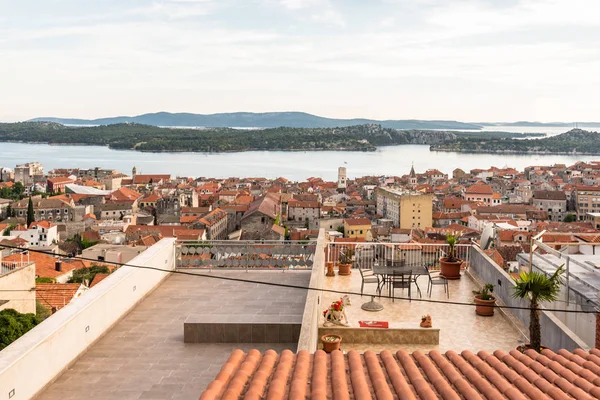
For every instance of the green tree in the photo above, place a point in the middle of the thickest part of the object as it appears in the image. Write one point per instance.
(9, 211)
(13, 325)
(42, 312)
(570, 218)
(538, 288)
(30, 212)
(88, 274)
(43, 279)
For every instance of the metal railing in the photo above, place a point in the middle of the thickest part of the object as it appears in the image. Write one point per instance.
(229, 254)
(366, 255)
(9, 266)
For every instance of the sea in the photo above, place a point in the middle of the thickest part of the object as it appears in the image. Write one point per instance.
(292, 165)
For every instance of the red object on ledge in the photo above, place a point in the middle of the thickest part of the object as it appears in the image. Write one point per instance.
(373, 324)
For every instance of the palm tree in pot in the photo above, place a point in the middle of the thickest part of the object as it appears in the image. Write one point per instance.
(538, 288)
(450, 265)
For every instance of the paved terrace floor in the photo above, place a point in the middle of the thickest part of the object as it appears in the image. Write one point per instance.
(460, 328)
(144, 356)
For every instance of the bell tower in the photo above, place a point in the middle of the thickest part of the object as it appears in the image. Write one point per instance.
(412, 180)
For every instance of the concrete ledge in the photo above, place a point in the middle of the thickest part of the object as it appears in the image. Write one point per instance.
(202, 332)
(415, 335)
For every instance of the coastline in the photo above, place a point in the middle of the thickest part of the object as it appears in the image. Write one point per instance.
(531, 152)
(432, 149)
(370, 149)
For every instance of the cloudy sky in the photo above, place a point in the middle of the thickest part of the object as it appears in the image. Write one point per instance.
(468, 60)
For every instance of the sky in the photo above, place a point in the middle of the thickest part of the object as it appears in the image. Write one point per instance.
(466, 60)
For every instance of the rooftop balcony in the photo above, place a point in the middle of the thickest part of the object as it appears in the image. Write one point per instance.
(147, 333)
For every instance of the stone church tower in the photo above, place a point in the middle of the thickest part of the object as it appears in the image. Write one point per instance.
(412, 179)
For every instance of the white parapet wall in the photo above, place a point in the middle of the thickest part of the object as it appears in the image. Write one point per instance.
(42, 354)
(309, 332)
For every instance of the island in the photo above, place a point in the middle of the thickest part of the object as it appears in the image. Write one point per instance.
(148, 138)
(575, 141)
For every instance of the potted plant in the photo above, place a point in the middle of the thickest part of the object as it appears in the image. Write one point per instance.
(484, 300)
(345, 261)
(538, 288)
(450, 265)
(331, 342)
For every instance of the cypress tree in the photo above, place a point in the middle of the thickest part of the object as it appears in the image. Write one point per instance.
(30, 213)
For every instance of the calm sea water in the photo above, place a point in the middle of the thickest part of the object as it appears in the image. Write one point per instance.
(296, 166)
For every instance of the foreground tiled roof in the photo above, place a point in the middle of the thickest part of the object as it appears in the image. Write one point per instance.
(501, 375)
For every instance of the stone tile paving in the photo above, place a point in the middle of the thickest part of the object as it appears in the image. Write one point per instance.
(144, 356)
(460, 328)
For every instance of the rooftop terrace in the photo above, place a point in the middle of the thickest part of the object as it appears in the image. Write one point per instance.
(144, 355)
(460, 327)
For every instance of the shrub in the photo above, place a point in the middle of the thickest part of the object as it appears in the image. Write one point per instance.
(13, 325)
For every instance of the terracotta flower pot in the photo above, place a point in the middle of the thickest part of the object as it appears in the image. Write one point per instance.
(484, 307)
(330, 269)
(344, 269)
(450, 270)
(331, 345)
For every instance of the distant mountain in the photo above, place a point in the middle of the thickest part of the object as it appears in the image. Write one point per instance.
(259, 120)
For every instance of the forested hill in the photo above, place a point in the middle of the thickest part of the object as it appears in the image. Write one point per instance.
(152, 138)
(258, 120)
(575, 141)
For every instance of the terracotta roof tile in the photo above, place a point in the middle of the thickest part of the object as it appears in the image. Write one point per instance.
(56, 295)
(451, 375)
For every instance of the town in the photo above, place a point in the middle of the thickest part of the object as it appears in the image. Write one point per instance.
(65, 231)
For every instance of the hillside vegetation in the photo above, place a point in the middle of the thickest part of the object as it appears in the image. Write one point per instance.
(151, 138)
(575, 141)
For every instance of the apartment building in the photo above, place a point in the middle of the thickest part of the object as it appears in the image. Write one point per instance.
(554, 202)
(215, 224)
(587, 200)
(406, 209)
(51, 209)
(29, 173)
(303, 210)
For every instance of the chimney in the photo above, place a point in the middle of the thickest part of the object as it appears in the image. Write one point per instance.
(58, 265)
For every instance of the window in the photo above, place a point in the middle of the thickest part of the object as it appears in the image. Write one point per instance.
(361, 232)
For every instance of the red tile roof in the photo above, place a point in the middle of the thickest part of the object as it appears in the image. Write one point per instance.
(144, 179)
(97, 279)
(402, 375)
(124, 194)
(55, 294)
(357, 221)
(45, 264)
(480, 188)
